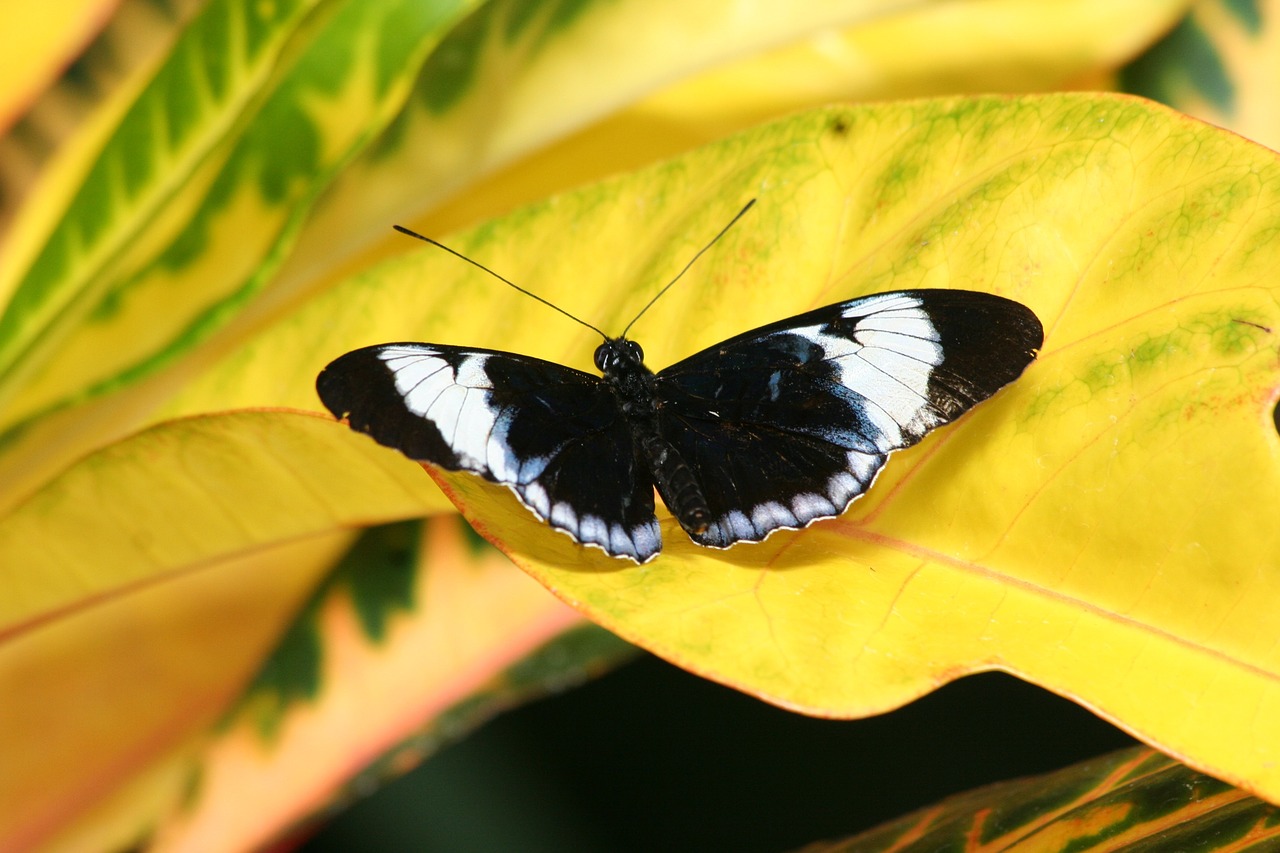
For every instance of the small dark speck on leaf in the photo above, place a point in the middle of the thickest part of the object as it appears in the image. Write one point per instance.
(1266, 329)
(1275, 415)
(839, 126)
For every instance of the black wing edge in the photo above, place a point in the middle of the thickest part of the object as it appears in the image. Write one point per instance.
(987, 342)
(358, 386)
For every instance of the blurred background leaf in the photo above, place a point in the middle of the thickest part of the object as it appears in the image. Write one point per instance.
(1127, 800)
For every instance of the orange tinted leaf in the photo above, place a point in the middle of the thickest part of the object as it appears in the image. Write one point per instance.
(106, 703)
(444, 659)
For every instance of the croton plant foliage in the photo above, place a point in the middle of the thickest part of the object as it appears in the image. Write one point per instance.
(220, 606)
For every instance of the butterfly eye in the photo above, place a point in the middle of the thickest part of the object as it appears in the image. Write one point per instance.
(635, 351)
(602, 356)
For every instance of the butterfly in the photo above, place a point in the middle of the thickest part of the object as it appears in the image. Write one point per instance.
(771, 429)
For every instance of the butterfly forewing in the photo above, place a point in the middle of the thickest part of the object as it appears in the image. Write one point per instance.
(554, 435)
(790, 422)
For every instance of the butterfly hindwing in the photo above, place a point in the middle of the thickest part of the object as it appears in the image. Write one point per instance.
(552, 434)
(790, 422)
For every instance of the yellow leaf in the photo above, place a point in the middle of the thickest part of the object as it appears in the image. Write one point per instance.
(188, 492)
(1104, 527)
(125, 290)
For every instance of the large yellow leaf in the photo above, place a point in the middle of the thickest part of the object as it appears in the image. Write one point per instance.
(1104, 527)
(227, 137)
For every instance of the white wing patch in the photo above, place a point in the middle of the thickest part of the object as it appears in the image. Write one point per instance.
(455, 399)
(889, 359)
(458, 401)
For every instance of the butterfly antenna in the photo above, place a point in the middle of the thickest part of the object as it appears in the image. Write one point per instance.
(694, 259)
(500, 278)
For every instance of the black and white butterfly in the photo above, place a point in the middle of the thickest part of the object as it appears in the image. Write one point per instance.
(772, 429)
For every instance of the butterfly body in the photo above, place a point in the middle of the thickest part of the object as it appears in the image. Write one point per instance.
(774, 428)
(621, 362)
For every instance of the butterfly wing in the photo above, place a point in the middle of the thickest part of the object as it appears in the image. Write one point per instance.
(554, 435)
(790, 422)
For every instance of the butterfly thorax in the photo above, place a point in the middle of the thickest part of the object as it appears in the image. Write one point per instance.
(622, 363)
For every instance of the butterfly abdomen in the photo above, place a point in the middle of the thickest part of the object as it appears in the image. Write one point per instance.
(675, 481)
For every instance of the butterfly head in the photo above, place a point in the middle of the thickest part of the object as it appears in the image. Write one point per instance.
(618, 355)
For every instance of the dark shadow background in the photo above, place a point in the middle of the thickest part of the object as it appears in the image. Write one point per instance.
(651, 758)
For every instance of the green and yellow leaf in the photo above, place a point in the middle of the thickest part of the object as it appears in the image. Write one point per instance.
(56, 279)
(187, 213)
(54, 139)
